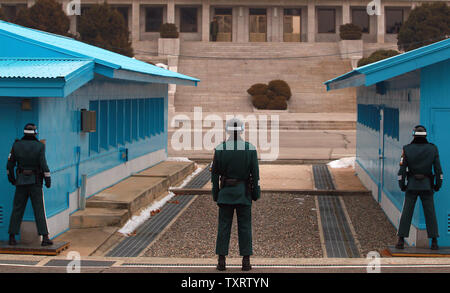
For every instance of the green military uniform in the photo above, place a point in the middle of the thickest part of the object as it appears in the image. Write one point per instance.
(28, 155)
(214, 30)
(236, 160)
(418, 160)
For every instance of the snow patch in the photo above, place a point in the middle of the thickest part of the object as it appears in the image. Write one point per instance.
(178, 159)
(343, 163)
(136, 221)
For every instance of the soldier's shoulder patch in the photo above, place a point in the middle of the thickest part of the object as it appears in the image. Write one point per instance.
(402, 158)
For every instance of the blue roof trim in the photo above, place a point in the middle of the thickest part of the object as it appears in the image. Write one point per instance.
(39, 81)
(391, 67)
(79, 49)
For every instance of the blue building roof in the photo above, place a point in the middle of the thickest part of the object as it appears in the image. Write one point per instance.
(41, 68)
(391, 67)
(107, 63)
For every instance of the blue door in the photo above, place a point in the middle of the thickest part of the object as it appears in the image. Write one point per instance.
(440, 136)
(9, 116)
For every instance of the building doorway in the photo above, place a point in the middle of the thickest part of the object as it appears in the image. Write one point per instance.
(225, 20)
(258, 25)
(292, 25)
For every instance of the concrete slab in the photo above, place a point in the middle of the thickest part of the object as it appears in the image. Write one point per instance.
(279, 177)
(98, 217)
(346, 179)
(173, 171)
(131, 193)
(86, 241)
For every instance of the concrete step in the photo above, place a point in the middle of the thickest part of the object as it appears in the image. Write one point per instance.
(116, 204)
(98, 217)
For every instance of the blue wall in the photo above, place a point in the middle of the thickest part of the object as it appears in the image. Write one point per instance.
(435, 115)
(69, 151)
(397, 102)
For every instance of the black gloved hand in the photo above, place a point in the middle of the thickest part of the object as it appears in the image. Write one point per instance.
(12, 179)
(48, 182)
(402, 185)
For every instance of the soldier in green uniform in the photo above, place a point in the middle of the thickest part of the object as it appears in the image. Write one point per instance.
(235, 166)
(28, 155)
(214, 29)
(416, 164)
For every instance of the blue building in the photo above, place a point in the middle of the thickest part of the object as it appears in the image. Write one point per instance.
(393, 96)
(48, 80)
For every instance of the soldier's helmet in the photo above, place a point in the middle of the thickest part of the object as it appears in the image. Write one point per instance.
(234, 125)
(419, 131)
(30, 129)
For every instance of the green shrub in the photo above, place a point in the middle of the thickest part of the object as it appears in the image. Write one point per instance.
(278, 103)
(350, 31)
(281, 88)
(45, 15)
(425, 25)
(168, 30)
(260, 101)
(258, 89)
(377, 56)
(103, 26)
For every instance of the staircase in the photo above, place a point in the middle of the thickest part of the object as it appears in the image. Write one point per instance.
(226, 78)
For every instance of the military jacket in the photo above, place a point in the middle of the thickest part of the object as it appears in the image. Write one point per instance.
(28, 154)
(235, 159)
(420, 159)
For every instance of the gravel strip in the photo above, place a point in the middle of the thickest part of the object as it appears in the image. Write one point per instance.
(283, 226)
(373, 229)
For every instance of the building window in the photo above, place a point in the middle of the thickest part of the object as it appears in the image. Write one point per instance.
(327, 20)
(361, 19)
(394, 20)
(153, 19)
(125, 121)
(188, 20)
(292, 25)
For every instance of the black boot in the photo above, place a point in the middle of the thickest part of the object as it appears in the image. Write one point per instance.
(12, 240)
(246, 263)
(401, 243)
(434, 245)
(46, 241)
(221, 266)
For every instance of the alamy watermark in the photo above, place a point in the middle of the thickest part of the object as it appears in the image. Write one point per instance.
(73, 8)
(205, 133)
(74, 266)
(374, 265)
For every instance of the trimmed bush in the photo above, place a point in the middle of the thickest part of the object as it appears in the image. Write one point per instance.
(260, 101)
(168, 30)
(258, 89)
(45, 15)
(103, 26)
(426, 24)
(350, 31)
(271, 94)
(278, 103)
(377, 56)
(281, 88)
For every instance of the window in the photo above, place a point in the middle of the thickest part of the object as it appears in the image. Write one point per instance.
(125, 121)
(188, 20)
(369, 116)
(153, 19)
(327, 20)
(361, 19)
(292, 25)
(394, 20)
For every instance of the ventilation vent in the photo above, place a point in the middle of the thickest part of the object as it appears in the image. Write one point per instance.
(1, 216)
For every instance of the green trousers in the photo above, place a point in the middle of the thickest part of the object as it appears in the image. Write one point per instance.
(244, 220)
(428, 209)
(34, 192)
